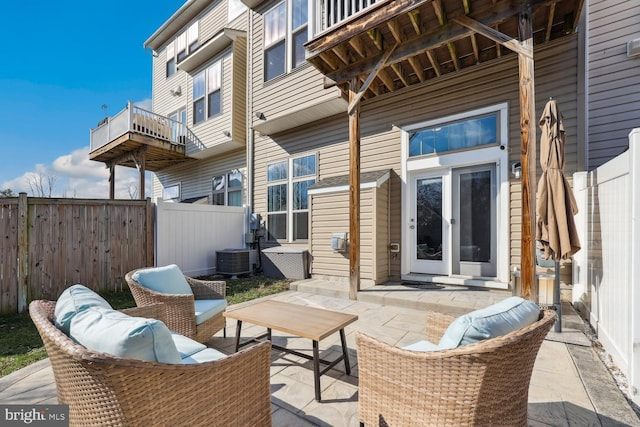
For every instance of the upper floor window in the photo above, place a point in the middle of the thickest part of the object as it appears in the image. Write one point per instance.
(227, 189)
(466, 133)
(285, 33)
(207, 99)
(183, 45)
(287, 197)
(235, 9)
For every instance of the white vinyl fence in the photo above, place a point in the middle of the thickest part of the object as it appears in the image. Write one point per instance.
(190, 234)
(606, 271)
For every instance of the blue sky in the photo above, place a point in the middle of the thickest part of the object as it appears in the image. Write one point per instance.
(62, 62)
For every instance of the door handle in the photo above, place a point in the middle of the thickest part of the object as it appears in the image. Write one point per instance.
(412, 227)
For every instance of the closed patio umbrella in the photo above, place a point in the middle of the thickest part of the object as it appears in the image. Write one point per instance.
(556, 206)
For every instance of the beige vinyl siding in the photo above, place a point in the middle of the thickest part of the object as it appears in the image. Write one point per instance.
(274, 98)
(383, 118)
(381, 234)
(239, 91)
(195, 176)
(331, 215)
(613, 79)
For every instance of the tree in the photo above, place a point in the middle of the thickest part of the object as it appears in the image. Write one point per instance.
(41, 184)
(7, 192)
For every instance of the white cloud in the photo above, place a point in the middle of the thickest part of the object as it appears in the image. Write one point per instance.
(74, 175)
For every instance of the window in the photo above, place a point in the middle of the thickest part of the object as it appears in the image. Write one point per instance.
(467, 133)
(179, 48)
(209, 82)
(235, 9)
(287, 198)
(285, 33)
(227, 189)
(171, 193)
(179, 132)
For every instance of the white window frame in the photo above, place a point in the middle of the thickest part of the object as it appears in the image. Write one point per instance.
(225, 179)
(289, 181)
(212, 76)
(287, 37)
(172, 192)
(181, 47)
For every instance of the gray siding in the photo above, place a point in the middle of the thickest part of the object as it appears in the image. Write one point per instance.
(381, 119)
(613, 79)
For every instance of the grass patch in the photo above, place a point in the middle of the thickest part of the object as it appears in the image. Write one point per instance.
(20, 343)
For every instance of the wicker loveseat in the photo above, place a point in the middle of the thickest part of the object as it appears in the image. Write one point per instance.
(102, 389)
(181, 302)
(485, 383)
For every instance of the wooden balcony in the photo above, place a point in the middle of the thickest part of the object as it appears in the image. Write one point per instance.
(408, 42)
(134, 135)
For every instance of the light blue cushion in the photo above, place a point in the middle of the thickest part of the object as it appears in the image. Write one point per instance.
(422, 346)
(72, 301)
(206, 355)
(167, 280)
(496, 320)
(186, 346)
(207, 308)
(113, 332)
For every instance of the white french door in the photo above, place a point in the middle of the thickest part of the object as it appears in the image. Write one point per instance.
(452, 222)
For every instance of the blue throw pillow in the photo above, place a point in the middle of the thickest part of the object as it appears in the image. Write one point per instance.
(72, 301)
(166, 280)
(496, 320)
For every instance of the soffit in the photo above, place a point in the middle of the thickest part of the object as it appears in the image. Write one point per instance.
(210, 48)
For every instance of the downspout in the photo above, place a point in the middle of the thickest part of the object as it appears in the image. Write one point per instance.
(249, 113)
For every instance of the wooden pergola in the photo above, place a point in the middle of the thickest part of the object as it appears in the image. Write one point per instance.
(395, 44)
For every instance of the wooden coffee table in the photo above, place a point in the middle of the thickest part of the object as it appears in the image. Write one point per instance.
(306, 322)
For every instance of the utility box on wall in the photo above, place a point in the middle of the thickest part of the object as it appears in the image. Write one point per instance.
(284, 262)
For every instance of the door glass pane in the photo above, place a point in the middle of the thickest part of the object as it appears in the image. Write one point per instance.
(429, 219)
(475, 216)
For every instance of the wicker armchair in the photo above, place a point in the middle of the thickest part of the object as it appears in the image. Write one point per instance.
(486, 383)
(180, 307)
(102, 389)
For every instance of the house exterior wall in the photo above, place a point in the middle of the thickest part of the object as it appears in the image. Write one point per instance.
(216, 152)
(273, 98)
(195, 176)
(613, 84)
(383, 118)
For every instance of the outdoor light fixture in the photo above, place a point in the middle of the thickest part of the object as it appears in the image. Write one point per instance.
(633, 48)
(516, 169)
(260, 115)
(226, 133)
(176, 91)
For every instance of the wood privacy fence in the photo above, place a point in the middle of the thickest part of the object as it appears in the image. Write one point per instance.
(50, 244)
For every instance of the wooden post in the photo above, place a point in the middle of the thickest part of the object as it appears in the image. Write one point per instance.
(141, 170)
(23, 252)
(112, 181)
(528, 158)
(354, 191)
(150, 233)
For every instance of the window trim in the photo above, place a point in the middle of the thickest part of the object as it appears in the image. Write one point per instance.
(175, 52)
(289, 182)
(287, 38)
(170, 190)
(206, 93)
(226, 190)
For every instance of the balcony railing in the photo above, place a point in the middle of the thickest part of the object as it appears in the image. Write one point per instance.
(336, 11)
(138, 120)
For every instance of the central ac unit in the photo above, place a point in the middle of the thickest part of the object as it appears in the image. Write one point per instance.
(233, 262)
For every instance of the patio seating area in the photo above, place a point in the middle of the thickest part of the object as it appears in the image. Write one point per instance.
(569, 384)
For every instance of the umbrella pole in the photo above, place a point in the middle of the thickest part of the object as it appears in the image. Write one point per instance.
(557, 303)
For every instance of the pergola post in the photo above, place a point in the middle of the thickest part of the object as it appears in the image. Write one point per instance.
(112, 181)
(527, 158)
(354, 190)
(142, 169)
